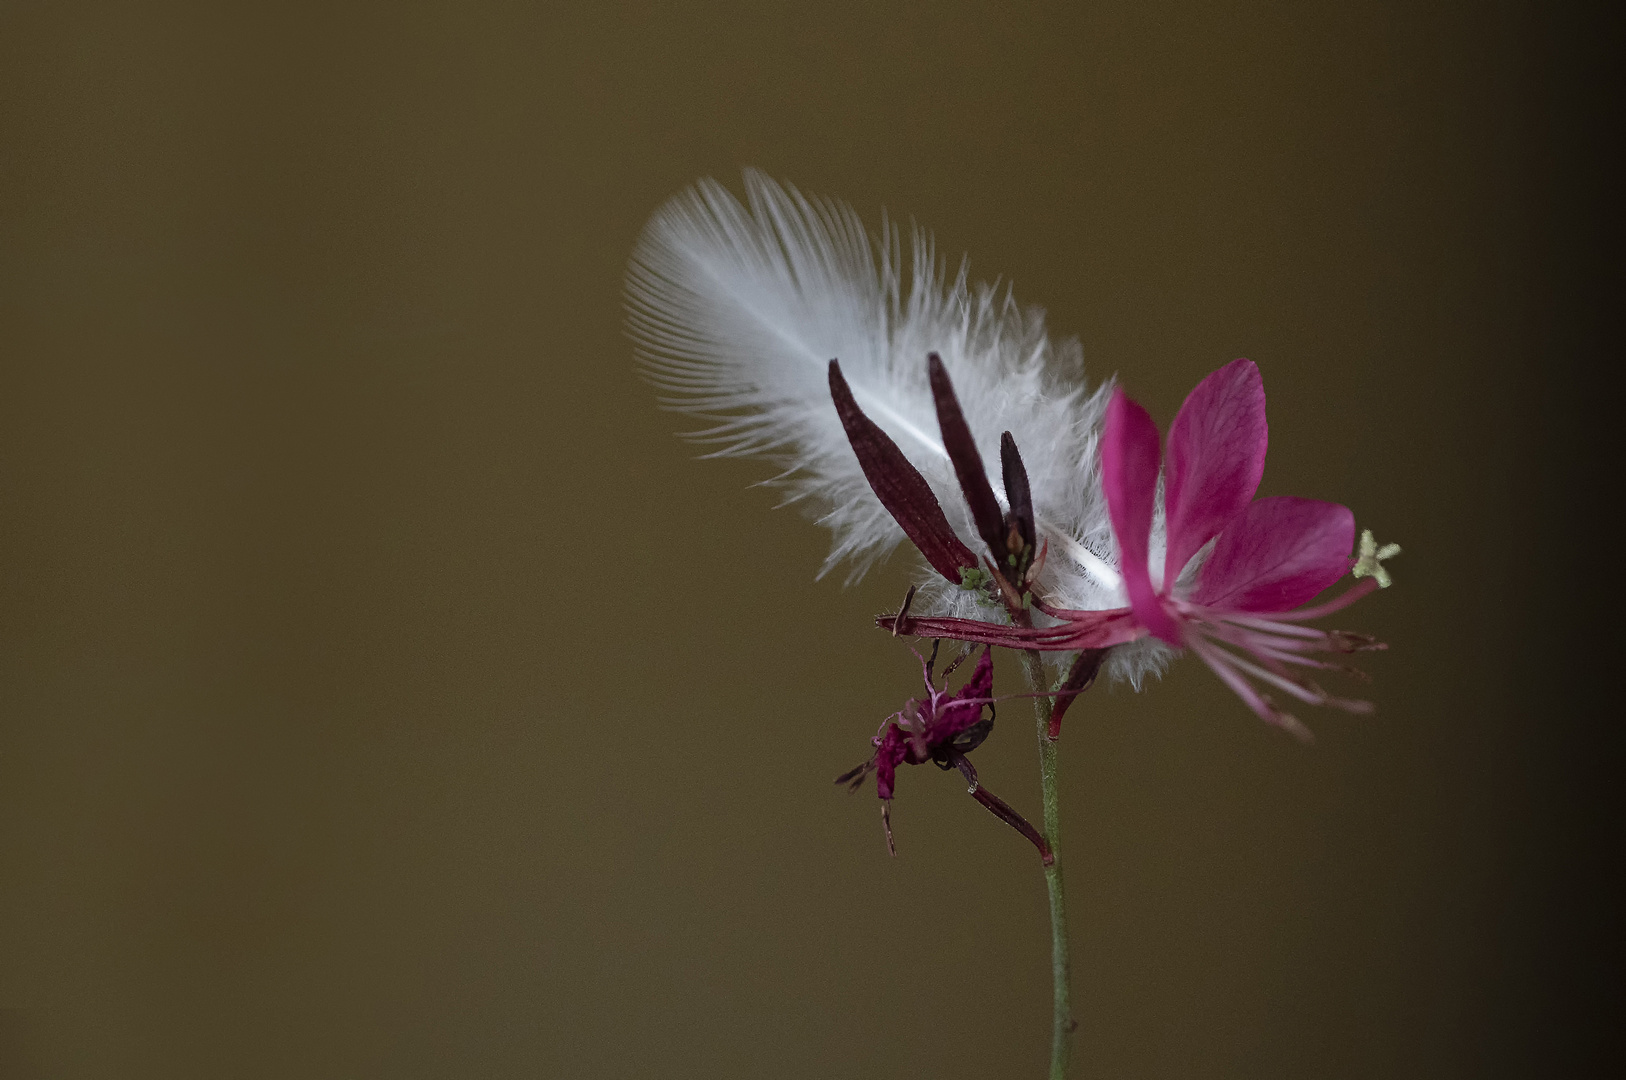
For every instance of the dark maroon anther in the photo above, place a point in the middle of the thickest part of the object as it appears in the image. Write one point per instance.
(1079, 679)
(899, 486)
(962, 451)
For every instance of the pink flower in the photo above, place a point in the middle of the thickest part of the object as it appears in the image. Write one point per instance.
(1234, 609)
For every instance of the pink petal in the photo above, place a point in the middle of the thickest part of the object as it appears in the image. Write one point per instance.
(1277, 554)
(1129, 461)
(1216, 457)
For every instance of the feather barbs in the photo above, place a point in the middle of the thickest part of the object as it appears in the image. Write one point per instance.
(738, 308)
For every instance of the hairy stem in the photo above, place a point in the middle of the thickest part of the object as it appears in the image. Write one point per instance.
(1062, 1024)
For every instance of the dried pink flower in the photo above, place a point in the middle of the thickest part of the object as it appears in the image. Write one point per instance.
(941, 728)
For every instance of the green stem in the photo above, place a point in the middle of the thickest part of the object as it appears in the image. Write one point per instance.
(1062, 1024)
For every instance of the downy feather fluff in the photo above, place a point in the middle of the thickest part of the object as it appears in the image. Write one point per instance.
(737, 309)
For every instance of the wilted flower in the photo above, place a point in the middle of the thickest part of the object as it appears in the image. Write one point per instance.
(941, 728)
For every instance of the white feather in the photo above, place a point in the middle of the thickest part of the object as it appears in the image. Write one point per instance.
(738, 309)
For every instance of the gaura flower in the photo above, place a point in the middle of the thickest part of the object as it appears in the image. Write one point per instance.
(1234, 606)
(737, 309)
(941, 728)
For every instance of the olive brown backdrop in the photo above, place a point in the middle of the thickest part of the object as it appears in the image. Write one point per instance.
(386, 691)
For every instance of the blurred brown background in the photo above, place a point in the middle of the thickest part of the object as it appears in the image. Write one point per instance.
(385, 691)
